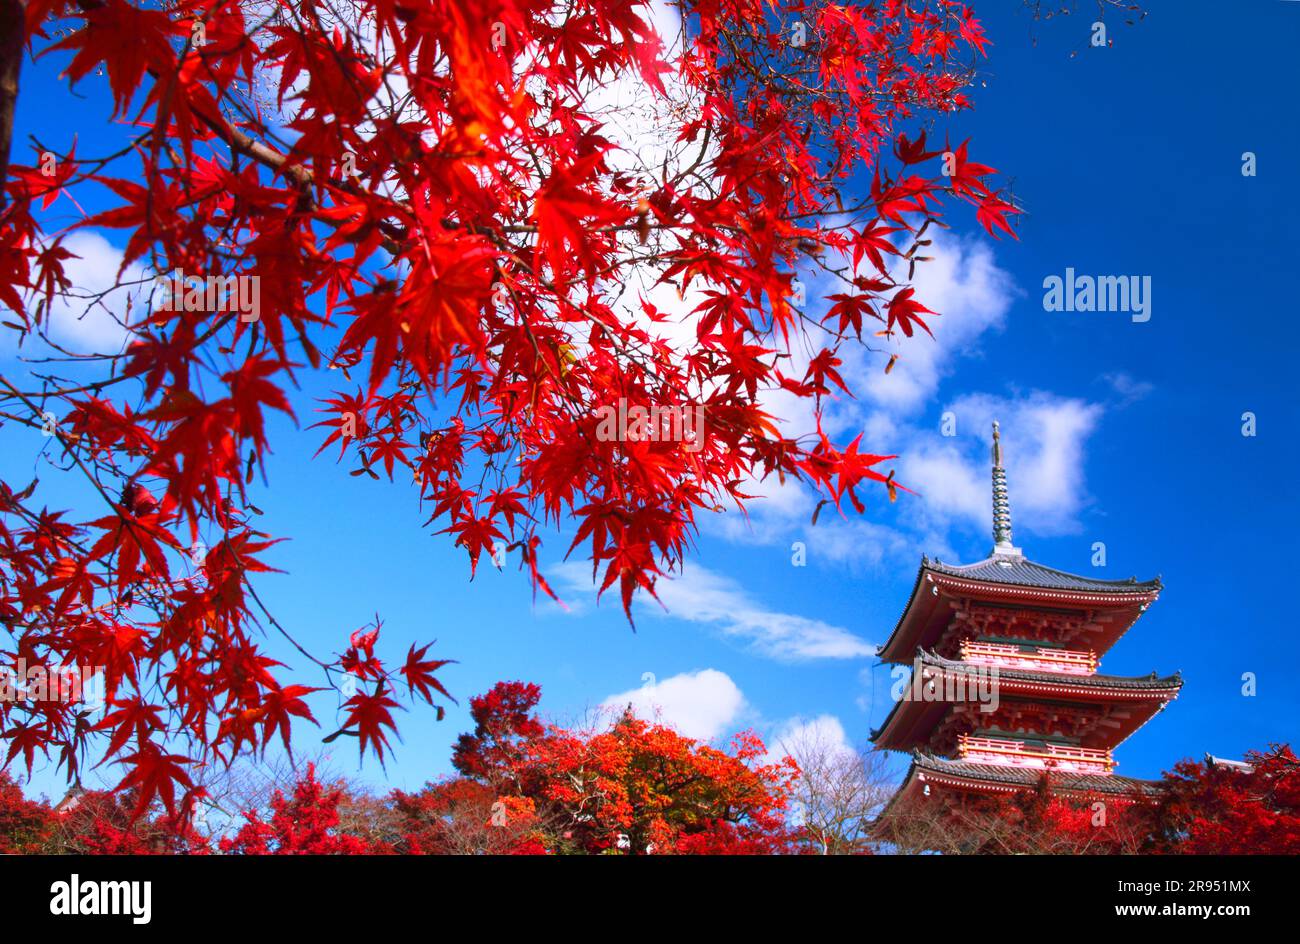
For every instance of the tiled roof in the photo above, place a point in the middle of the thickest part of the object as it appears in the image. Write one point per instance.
(1029, 777)
(1022, 572)
(1137, 683)
(1061, 678)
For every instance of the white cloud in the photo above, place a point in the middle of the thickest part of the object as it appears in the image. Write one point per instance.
(702, 596)
(773, 502)
(972, 296)
(703, 705)
(1044, 434)
(823, 736)
(1127, 388)
(947, 481)
(1043, 439)
(90, 318)
(859, 540)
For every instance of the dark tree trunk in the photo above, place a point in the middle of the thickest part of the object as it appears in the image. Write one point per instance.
(12, 31)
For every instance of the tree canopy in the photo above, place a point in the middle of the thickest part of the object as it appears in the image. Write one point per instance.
(495, 229)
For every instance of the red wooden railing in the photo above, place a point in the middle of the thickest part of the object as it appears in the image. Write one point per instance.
(1038, 657)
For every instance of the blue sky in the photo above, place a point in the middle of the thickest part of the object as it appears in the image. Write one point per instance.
(1128, 162)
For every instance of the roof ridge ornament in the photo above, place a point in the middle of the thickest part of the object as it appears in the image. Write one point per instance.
(1002, 546)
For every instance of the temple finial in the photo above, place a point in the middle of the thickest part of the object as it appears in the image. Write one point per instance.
(1002, 546)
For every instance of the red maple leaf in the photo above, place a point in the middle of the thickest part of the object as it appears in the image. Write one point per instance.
(418, 673)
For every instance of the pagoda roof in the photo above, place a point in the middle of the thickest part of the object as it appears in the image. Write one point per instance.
(1015, 778)
(959, 776)
(1010, 579)
(1019, 571)
(1145, 683)
(910, 721)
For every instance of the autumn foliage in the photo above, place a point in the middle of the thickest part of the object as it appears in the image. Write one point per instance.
(1200, 809)
(1221, 810)
(628, 786)
(304, 824)
(93, 822)
(632, 786)
(25, 826)
(524, 788)
(437, 208)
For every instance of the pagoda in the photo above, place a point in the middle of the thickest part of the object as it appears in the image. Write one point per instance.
(1005, 686)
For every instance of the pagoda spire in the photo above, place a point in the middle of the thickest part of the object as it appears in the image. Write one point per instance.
(1002, 546)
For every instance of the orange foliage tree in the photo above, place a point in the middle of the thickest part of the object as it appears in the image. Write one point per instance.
(632, 786)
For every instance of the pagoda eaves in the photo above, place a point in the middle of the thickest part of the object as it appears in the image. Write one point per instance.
(941, 772)
(1102, 609)
(1096, 711)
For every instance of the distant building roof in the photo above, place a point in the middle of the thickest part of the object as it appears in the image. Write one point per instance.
(71, 800)
(1241, 765)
